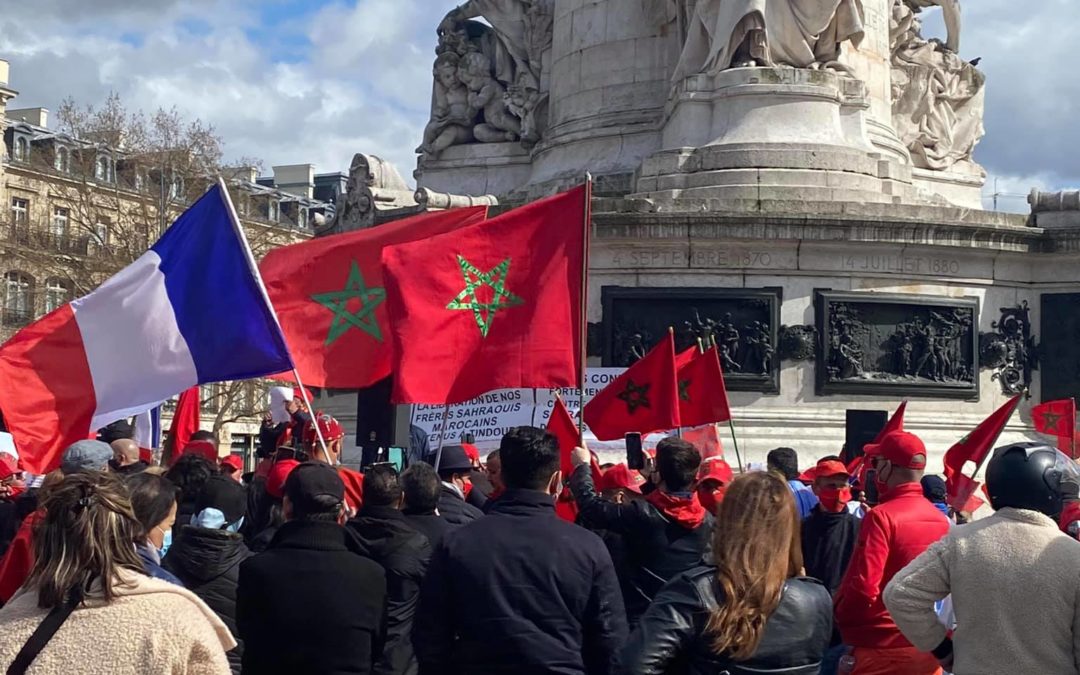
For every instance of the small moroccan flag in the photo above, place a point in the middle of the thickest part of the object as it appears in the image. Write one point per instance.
(702, 394)
(1057, 418)
(330, 297)
(490, 306)
(974, 447)
(642, 400)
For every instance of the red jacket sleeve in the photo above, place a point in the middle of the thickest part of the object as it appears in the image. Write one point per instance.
(19, 559)
(861, 586)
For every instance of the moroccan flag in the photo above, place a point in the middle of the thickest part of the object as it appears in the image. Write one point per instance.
(642, 400)
(490, 306)
(974, 448)
(1057, 418)
(185, 422)
(702, 394)
(330, 298)
(562, 426)
(895, 423)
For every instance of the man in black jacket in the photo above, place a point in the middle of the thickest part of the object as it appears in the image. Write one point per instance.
(206, 556)
(521, 591)
(314, 583)
(421, 488)
(454, 467)
(664, 534)
(388, 539)
(830, 531)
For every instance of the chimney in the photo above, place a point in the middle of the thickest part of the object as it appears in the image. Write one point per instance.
(3, 72)
(36, 116)
(247, 174)
(296, 179)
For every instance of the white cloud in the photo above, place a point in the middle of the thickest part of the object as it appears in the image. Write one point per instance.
(355, 75)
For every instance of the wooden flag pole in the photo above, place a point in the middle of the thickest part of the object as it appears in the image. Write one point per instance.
(442, 435)
(584, 318)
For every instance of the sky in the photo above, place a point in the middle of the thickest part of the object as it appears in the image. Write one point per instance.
(315, 81)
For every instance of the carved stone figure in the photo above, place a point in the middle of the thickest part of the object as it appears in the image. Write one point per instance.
(374, 185)
(452, 116)
(1011, 350)
(735, 33)
(797, 342)
(938, 97)
(501, 64)
(728, 345)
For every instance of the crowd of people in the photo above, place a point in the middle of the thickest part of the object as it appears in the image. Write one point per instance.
(112, 565)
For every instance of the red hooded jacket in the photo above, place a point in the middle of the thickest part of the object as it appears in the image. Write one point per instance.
(892, 535)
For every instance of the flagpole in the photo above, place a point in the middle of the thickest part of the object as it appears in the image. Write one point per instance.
(249, 256)
(584, 318)
(314, 419)
(731, 424)
(442, 435)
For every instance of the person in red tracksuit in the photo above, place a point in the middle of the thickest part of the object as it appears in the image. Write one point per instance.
(893, 534)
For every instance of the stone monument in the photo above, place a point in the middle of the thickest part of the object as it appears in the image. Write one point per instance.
(794, 179)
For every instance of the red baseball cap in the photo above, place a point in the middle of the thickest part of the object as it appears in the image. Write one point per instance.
(901, 448)
(829, 467)
(716, 469)
(275, 480)
(621, 477)
(234, 462)
(329, 427)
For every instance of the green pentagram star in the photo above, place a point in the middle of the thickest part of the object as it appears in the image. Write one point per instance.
(1051, 419)
(495, 279)
(338, 303)
(684, 390)
(635, 396)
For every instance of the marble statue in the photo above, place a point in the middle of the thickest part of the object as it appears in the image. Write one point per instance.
(938, 97)
(500, 65)
(726, 34)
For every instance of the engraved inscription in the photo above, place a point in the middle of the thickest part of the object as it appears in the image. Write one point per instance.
(879, 262)
(637, 258)
(733, 258)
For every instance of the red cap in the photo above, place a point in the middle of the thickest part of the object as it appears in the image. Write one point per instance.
(472, 452)
(234, 462)
(275, 480)
(716, 469)
(205, 448)
(329, 427)
(829, 467)
(9, 466)
(901, 448)
(298, 395)
(620, 477)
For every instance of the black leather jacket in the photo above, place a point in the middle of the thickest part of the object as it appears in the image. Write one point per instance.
(670, 637)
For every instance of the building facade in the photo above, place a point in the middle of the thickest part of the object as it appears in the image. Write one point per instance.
(75, 211)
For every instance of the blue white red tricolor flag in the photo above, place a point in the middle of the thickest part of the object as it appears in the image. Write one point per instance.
(148, 433)
(191, 310)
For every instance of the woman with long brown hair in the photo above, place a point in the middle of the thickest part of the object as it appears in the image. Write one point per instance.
(89, 607)
(746, 612)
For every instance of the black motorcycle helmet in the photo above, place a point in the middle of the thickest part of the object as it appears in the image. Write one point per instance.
(1033, 476)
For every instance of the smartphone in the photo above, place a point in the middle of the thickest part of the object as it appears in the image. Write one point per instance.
(635, 457)
(870, 489)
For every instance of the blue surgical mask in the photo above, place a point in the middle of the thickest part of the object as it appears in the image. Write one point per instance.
(166, 542)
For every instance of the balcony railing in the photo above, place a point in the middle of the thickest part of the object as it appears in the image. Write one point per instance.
(16, 317)
(32, 237)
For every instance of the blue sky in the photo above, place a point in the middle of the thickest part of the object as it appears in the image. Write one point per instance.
(292, 81)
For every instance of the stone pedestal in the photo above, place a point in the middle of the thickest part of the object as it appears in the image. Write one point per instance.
(961, 187)
(477, 169)
(771, 133)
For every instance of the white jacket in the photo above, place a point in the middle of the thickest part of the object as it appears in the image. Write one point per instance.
(1015, 584)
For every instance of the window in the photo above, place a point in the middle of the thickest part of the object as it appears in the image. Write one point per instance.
(301, 218)
(141, 180)
(62, 159)
(59, 225)
(20, 211)
(57, 293)
(101, 232)
(103, 169)
(176, 187)
(272, 208)
(18, 298)
(22, 148)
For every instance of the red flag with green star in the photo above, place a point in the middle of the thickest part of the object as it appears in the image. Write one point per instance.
(642, 400)
(490, 306)
(702, 394)
(330, 299)
(1057, 418)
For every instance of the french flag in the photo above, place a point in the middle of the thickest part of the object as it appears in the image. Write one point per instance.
(191, 310)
